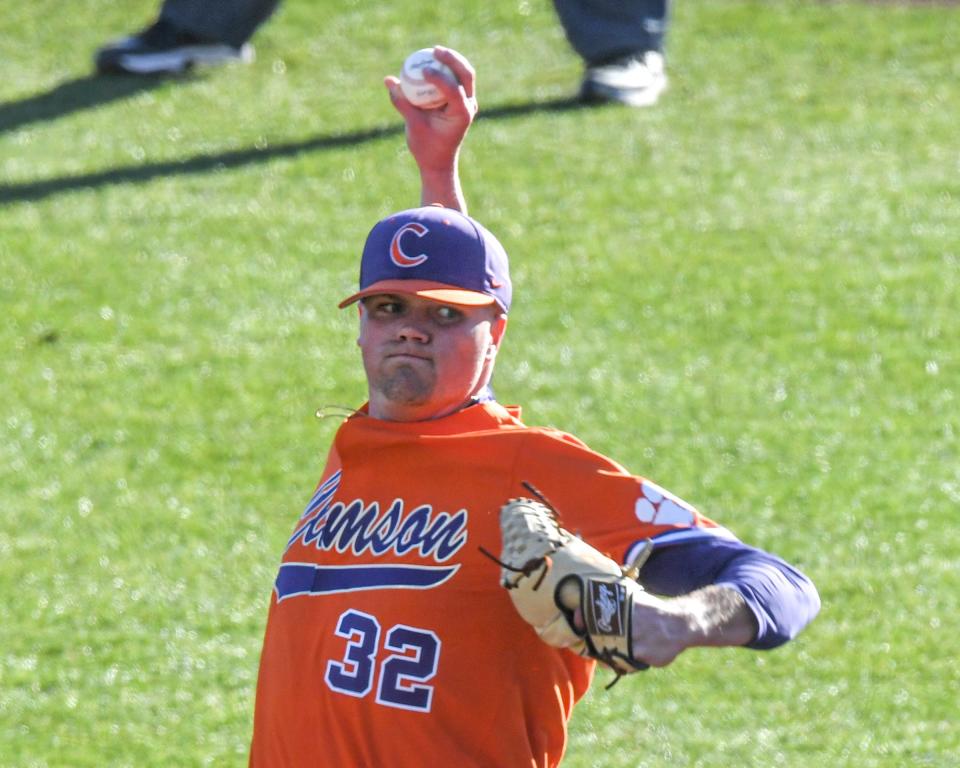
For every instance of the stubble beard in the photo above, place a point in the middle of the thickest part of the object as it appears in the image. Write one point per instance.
(406, 386)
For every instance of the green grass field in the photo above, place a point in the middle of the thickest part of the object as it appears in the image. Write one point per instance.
(750, 293)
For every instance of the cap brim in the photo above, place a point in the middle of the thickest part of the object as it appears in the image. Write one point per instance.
(426, 289)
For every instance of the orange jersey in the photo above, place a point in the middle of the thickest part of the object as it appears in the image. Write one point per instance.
(390, 642)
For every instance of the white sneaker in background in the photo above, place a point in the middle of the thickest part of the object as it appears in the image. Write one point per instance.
(636, 80)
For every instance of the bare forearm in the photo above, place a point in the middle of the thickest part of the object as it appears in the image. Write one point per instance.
(662, 628)
(718, 616)
(781, 598)
(442, 187)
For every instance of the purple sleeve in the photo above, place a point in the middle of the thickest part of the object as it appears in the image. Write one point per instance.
(782, 599)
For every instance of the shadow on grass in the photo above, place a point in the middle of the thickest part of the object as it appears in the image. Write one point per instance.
(38, 190)
(73, 96)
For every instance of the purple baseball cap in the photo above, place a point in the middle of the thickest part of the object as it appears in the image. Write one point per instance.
(437, 253)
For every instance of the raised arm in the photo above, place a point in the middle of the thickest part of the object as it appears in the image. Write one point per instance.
(434, 136)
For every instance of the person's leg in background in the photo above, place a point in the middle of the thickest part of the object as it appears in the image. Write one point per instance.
(622, 45)
(188, 33)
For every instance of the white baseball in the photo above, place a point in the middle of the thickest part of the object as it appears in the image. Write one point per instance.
(418, 91)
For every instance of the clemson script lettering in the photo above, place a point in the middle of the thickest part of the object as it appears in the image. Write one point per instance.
(360, 527)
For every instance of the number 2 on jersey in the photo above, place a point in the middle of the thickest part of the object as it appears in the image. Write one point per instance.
(410, 658)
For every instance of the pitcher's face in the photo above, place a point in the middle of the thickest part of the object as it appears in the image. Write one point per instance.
(425, 359)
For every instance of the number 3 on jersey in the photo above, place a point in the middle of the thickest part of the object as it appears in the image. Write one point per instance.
(409, 658)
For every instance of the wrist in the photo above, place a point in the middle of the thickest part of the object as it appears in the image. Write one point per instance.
(442, 185)
(662, 628)
(438, 174)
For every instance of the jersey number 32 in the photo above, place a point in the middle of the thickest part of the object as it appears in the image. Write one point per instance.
(408, 659)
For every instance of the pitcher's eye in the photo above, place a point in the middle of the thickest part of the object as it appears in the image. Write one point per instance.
(448, 314)
(383, 305)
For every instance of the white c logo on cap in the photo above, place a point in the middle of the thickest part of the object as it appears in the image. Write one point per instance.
(397, 256)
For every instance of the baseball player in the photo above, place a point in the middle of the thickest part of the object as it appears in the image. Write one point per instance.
(390, 640)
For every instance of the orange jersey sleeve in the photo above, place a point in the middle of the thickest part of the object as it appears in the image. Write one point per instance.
(599, 500)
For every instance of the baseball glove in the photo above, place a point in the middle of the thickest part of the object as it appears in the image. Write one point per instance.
(550, 573)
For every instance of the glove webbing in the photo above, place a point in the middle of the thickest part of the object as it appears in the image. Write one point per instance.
(540, 562)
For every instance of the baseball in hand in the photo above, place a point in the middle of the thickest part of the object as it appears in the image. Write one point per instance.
(418, 91)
